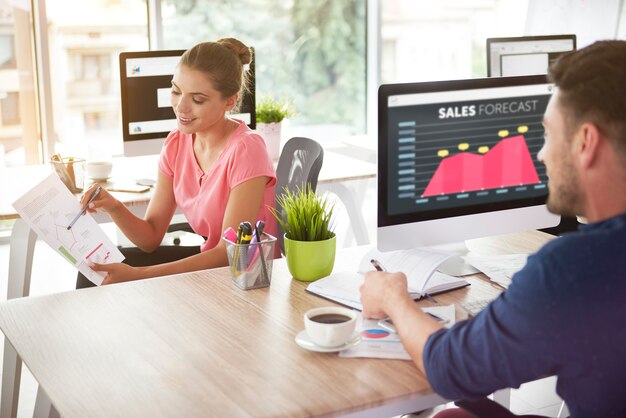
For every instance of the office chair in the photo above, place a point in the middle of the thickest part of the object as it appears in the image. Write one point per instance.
(487, 408)
(299, 164)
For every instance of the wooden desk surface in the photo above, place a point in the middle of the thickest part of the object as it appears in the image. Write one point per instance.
(195, 345)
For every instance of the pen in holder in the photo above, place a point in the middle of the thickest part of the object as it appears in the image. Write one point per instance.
(251, 264)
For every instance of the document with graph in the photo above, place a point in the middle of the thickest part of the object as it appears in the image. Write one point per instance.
(49, 208)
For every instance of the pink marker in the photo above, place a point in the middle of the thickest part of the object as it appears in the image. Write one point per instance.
(230, 234)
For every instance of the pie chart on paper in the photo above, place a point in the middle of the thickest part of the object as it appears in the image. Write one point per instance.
(374, 333)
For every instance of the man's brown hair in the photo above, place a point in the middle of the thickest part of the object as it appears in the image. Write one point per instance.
(592, 88)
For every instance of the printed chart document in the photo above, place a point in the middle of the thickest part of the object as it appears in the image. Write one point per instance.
(419, 265)
(48, 209)
(377, 342)
(499, 268)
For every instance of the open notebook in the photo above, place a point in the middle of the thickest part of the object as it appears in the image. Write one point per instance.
(418, 264)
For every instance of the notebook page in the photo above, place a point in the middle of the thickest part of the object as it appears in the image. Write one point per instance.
(417, 264)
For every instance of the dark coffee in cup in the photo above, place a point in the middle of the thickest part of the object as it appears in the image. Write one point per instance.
(330, 318)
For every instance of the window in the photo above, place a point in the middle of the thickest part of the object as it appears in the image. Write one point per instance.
(425, 41)
(7, 52)
(9, 105)
(19, 142)
(84, 41)
(311, 52)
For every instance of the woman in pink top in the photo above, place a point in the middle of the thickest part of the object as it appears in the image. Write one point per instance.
(212, 167)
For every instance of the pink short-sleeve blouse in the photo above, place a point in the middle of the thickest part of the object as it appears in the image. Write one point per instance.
(202, 196)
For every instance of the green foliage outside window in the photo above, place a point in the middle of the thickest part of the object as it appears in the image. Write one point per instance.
(312, 51)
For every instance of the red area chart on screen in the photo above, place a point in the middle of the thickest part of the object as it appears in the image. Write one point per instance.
(507, 164)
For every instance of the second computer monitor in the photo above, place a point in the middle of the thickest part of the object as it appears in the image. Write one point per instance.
(147, 114)
(525, 55)
(458, 160)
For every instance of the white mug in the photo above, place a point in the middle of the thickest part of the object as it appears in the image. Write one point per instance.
(330, 326)
(99, 170)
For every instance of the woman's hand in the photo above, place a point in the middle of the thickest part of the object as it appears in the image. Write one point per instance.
(118, 272)
(104, 202)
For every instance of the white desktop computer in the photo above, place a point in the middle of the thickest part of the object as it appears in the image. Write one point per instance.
(457, 160)
(525, 55)
(147, 114)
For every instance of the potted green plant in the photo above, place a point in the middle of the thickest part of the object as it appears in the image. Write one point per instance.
(269, 116)
(310, 242)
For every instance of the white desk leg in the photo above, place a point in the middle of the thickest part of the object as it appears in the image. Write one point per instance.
(22, 246)
(503, 397)
(354, 211)
(43, 406)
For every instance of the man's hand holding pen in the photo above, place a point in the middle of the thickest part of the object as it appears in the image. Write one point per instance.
(386, 295)
(380, 289)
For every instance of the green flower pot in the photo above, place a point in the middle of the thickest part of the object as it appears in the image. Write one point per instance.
(310, 260)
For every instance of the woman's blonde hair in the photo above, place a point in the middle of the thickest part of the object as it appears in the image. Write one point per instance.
(223, 62)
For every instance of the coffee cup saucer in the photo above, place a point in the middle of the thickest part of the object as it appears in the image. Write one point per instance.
(100, 180)
(303, 340)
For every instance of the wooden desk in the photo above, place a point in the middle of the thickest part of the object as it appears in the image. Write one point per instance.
(195, 345)
(336, 170)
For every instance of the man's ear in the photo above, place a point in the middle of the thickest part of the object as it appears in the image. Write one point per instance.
(589, 142)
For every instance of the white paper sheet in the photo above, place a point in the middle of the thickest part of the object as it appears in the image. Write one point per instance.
(499, 268)
(48, 208)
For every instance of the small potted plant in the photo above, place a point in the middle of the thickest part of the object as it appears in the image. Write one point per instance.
(310, 242)
(269, 116)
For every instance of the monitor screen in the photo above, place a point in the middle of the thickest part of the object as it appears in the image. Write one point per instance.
(525, 55)
(147, 114)
(457, 157)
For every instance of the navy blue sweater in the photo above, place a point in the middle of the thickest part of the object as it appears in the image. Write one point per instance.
(564, 314)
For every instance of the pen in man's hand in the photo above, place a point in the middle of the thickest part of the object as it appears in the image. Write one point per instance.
(430, 298)
(377, 265)
(437, 318)
(84, 208)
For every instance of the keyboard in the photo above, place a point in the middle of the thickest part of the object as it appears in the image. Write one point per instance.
(473, 308)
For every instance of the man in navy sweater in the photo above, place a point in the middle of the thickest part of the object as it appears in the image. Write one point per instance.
(564, 313)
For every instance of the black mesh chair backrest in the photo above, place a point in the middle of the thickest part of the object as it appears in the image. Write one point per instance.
(299, 164)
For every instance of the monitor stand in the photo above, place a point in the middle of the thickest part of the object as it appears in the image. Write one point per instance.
(455, 265)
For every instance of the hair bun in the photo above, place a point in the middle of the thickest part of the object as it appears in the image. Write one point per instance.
(238, 48)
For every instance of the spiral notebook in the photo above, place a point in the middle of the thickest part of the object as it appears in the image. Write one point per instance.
(419, 265)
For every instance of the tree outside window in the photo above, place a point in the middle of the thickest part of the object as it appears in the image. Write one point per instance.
(310, 51)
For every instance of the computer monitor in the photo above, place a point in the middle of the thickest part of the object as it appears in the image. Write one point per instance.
(147, 114)
(457, 160)
(525, 55)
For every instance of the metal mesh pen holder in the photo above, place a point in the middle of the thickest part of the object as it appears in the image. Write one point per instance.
(251, 264)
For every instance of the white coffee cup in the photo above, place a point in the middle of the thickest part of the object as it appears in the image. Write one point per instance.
(99, 170)
(330, 326)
